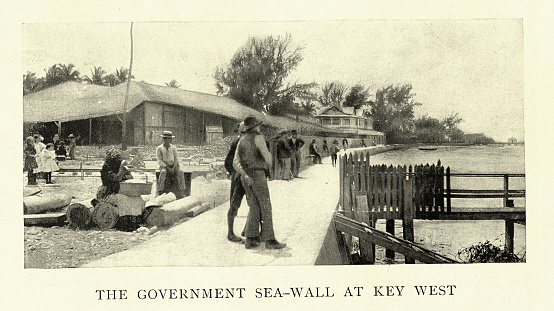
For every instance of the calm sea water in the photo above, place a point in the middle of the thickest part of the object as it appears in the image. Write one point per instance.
(475, 159)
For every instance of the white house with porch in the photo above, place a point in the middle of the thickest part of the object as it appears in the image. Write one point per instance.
(350, 121)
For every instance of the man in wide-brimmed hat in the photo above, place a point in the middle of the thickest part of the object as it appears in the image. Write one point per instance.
(168, 161)
(252, 159)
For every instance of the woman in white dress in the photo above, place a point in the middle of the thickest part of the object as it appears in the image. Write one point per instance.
(39, 147)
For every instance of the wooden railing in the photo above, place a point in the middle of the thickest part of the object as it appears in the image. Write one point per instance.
(368, 193)
(506, 193)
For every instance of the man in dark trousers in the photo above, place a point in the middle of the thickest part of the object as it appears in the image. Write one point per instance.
(252, 159)
(295, 144)
(284, 156)
(314, 150)
(237, 191)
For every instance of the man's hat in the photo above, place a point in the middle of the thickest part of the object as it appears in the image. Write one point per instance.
(251, 122)
(71, 136)
(293, 132)
(167, 134)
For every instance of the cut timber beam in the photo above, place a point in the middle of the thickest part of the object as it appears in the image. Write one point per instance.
(48, 219)
(389, 241)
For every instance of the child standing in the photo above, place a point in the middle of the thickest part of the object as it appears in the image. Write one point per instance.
(48, 162)
(30, 163)
(72, 145)
(334, 149)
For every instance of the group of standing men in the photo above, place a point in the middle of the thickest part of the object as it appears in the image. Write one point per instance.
(249, 162)
(288, 154)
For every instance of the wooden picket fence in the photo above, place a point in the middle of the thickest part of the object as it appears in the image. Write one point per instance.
(371, 192)
(376, 192)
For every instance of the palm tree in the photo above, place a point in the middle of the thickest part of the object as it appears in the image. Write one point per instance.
(173, 83)
(66, 73)
(97, 76)
(122, 74)
(31, 83)
(308, 108)
(112, 80)
(51, 78)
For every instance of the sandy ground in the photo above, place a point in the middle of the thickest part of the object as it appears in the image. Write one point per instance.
(64, 247)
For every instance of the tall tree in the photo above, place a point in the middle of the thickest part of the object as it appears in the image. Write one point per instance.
(429, 130)
(357, 97)
(31, 83)
(97, 76)
(393, 112)
(68, 72)
(451, 124)
(111, 80)
(333, 94)
(122, 74)
(477, 138)
(173, 83)
(51, 77)
(307, 108)
(256, 73)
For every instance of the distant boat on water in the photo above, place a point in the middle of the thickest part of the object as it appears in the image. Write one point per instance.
(428, 148)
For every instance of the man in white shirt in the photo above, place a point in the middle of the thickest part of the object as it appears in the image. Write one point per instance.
(166, 155)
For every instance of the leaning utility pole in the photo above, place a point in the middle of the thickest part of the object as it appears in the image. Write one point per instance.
(124, 127)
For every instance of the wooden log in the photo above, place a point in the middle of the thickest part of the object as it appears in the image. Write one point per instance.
(47, 219)
(199, 209)
(105, 215)
(36, 204)
(79, 215)
(134, 188)
(161, 200)
(389, 224)
(171, 213)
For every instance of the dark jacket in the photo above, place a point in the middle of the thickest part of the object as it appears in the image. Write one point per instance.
(313, 149)
(231, 156)
(109, 177)
(295, 146)
(283, 149)
(60, 150)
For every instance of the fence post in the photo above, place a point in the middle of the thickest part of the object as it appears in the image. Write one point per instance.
(367, 249)
(408, 213)
(82, 172)
(386, 203)
(509, 235)
(347, 193)
(448, 191)
(341, 182)
(505, 199)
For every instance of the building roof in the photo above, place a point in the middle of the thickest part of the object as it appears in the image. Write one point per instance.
(76, 101)
(334, 111)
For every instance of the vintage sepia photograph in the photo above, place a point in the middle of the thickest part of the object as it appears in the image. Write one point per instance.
(276, 155)
(273, 143)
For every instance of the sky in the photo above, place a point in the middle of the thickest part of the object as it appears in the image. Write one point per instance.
(473, 67)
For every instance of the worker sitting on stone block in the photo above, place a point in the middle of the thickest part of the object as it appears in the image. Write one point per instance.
(166, 155)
